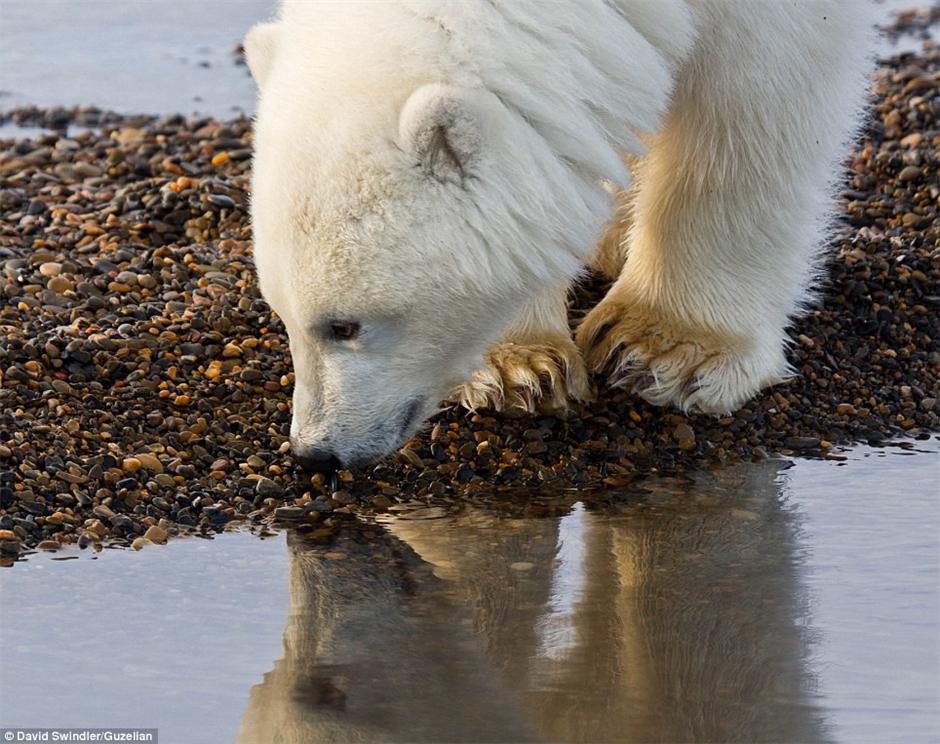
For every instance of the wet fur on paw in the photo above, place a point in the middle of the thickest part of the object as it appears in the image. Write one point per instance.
(666, 364)
(531, 377)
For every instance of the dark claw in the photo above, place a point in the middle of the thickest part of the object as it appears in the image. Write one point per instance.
(602, 330)
(692, 386)
(643, 380)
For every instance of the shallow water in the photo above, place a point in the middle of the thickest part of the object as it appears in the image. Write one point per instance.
(131, 56)
(765, 602)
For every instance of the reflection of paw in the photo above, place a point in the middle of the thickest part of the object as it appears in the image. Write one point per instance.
(664, 364)
(531, 377)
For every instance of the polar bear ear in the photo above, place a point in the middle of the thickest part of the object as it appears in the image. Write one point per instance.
(443, 127)
(260, 45)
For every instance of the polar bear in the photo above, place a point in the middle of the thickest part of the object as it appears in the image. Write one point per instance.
(431, 176)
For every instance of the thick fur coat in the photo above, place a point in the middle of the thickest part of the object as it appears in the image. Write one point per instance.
(432, 175)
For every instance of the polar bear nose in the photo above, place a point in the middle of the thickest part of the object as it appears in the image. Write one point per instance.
(314, 460)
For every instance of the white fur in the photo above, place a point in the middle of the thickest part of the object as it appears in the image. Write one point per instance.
(435, 170)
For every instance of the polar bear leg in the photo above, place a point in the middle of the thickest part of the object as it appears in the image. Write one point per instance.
(536, 366)
(611, 252)
(731, 203)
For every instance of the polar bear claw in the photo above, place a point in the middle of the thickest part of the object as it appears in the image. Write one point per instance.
(530, 377)
(666, 364)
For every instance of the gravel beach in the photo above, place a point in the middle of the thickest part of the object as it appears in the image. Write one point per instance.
(145, 385)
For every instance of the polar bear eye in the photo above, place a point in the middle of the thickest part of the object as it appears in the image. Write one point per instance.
(343, 330)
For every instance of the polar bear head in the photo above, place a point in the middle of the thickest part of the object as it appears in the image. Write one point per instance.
(400, 224)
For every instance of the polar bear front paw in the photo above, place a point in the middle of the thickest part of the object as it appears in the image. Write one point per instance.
(531, 377)
(666, 364)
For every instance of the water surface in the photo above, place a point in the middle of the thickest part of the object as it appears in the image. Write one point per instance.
(772, 601)
(130, 56)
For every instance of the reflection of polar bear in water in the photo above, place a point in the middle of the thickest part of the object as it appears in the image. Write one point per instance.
(429, 179)
(675, 619)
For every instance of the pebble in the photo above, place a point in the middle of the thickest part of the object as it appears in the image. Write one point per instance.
(267, 487)
(343, 498)
(802, 443)
(156, 534)
(685, 436)
(289, 513)
(131, 465)
(97, 528)
(150, 462)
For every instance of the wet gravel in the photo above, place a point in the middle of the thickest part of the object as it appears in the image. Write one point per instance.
(60, 118)
(145, 385)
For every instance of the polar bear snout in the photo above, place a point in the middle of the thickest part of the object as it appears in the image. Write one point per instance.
(316, 460)
(336, 437)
